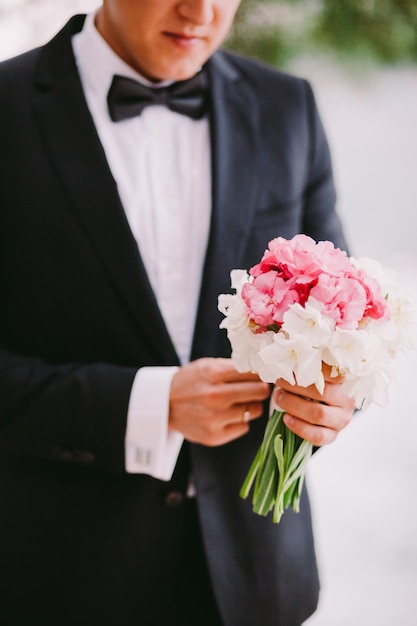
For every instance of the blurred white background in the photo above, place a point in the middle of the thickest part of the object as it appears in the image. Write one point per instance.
(363, 487)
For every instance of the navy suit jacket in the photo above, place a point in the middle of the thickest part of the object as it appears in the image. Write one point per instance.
(82, 542)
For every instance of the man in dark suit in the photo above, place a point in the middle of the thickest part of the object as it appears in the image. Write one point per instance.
(125, 430)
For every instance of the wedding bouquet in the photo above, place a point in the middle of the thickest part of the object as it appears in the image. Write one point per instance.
(303, 305)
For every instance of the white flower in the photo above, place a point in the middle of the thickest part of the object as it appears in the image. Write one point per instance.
(371, 387)
(399, 303)
(232, 306)
(308, 322)
(292, 359)
(402, 318)
(347, 350)
(362, 358)
(238, 278)
(247, 347)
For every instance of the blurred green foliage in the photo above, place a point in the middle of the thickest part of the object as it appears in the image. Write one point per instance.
(278, 30)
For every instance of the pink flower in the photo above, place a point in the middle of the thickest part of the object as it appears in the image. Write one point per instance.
(292, 271)
(344, 299)
(302, 284)
(287, 273)
(268, 297)
(376, 304)
(301, 255)
(259, 303)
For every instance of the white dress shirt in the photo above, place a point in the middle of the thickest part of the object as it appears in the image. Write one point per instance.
(161, 163)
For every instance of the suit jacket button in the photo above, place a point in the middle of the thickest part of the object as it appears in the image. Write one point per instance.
(88, 458)
(59, 454)
(84, 457)
(174, 498)
(67, 456)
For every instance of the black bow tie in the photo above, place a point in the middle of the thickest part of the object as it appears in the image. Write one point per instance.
(127, 98)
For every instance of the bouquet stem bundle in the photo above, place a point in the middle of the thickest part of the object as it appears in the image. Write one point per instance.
(278, 469)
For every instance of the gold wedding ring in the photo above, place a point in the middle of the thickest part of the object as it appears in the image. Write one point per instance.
(246, 415)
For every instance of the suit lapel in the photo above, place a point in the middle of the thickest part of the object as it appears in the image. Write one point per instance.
(81, 166)
(234, 129)
(234, 126)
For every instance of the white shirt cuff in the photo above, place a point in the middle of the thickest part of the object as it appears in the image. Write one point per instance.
(150, 447)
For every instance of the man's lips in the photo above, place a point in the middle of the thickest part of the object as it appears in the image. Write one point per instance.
(184, 40)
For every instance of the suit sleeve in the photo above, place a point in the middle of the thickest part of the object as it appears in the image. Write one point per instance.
(73, 413)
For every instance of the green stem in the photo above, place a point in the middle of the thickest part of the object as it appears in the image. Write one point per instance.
(276, 475)
(246, 487)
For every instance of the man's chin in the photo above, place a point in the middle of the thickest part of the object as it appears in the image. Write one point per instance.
(183, 71)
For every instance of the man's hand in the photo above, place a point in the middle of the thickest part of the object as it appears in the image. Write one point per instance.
(211, 403)
(314, 417)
